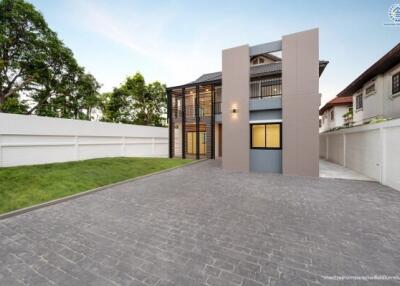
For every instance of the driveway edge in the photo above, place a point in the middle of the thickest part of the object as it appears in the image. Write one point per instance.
(78, 195)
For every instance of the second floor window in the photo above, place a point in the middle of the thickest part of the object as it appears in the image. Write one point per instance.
(370, 89)
(266, 88)
(396, 83)
(359, 101)
(332, 115)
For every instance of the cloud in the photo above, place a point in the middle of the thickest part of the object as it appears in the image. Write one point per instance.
(145, 34)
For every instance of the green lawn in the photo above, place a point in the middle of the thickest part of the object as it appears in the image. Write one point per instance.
(30, 185)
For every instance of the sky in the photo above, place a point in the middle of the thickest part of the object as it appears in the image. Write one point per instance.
(175, 41)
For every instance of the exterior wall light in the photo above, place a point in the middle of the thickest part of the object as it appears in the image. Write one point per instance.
(235, 111)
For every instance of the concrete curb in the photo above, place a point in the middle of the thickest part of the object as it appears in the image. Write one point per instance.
(78, 195)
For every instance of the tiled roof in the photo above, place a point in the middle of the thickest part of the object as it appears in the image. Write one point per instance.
(255, 71)
(335, 102)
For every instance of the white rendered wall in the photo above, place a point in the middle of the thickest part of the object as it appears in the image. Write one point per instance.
(338, 119)
(372, 150)
(339, 111)
(380, 103)
(28, 140)
(391, 103)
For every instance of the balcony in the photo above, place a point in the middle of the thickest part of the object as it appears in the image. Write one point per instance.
(266, 88)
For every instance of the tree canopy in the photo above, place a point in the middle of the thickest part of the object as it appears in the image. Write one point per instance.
(38, 73)
(136, 102)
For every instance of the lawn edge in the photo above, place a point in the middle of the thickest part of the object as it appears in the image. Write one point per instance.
(91, 191)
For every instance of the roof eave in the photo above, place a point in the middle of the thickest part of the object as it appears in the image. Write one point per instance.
(385, 63)
(322, 66)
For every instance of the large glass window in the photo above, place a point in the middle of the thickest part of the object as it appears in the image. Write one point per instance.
(191, 143)
(258, 136)
(217, 103)
(266, 136)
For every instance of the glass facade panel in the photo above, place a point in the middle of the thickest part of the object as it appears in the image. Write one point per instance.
(273, 136)
(266, 136)
(258, 136)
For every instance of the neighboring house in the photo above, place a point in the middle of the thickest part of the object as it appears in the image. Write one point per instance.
(376, 92)
(336, 113)
(259, 114)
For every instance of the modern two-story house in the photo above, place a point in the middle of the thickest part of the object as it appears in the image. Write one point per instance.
(376, 92)
(260, 113)
(336, 113)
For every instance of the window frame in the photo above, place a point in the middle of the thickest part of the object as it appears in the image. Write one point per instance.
(360, 95)
(398, 87)
(370, 89)
(265, 139)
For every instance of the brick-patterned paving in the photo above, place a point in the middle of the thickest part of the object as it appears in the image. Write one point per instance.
(199, 225)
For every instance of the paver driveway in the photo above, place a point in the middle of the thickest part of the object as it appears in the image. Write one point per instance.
(199, 225)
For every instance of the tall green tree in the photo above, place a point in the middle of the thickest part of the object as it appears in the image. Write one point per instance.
(136, 102)
(38, 73)
(115, 107)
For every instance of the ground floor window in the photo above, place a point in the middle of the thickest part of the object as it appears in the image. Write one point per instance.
(266, 136)
(191, 140)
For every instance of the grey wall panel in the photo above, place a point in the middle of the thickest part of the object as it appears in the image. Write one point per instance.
(266, 103)
(267, 161)
(266, 114)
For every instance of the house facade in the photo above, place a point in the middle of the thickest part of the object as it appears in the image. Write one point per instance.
(260, 113)
(376, 92)
(336, 113)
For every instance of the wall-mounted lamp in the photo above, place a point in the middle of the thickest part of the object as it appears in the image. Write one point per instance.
(235, 111)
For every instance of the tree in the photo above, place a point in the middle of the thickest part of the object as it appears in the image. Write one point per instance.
(116, 107)
(36, 66)
(157, 105)
(136, 102)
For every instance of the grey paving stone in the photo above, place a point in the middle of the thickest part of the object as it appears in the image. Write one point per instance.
(200, 225)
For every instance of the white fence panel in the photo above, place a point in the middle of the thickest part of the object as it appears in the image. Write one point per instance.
(27, 140)
(391, 157)
(372, 150)
(335, 149)
(363, 153)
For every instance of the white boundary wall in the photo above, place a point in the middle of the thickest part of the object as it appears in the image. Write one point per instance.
(28, 139)
(372, 150)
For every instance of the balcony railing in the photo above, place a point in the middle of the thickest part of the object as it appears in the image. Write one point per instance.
(266, 88)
